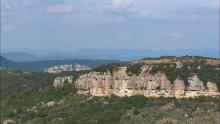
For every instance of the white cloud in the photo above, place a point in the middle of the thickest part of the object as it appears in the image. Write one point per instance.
(60, 9)
(176, 34)
(121, 4)
(146, 13)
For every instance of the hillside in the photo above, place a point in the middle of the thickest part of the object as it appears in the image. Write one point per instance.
(188, 76)
(4, 60)
(30, 98)
(87, 97)
(5, 63)
(20, 56)
(40, 66)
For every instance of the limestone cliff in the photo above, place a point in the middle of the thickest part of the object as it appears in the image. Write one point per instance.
(60, 81)
(121, 82)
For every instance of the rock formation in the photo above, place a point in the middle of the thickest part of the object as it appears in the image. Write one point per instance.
(120, 84)
(9, 121)
(60, 81)
(67, 67)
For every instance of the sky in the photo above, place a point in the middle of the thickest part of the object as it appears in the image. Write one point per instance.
(71, 25)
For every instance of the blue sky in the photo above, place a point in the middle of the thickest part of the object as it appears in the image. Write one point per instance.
(71, 25)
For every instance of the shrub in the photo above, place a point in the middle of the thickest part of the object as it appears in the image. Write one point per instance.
(134, 101)
(110, 67)
(110, 117)
(42, 114)
(205, 73)
(136, 111)
(134, 69)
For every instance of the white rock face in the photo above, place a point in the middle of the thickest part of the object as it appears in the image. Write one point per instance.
(120, 84)
(179, 88)
(195, 84)
(60, 81)
(67, 67)
(179, 64)
(51, 103)
(212, 88)
(9, 121)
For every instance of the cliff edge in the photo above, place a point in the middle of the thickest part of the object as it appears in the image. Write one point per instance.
(165, 76)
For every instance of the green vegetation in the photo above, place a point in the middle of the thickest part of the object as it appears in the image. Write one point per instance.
(21, 90)
(205, 72)
(209, 73)
(181, 57)
(110, 67)
(79, 109)
(24, 98)
(172, 72)
(134, 69)
(196, 57)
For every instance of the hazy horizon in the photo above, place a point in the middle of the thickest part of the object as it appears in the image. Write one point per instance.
(105, 54)
(69, 25)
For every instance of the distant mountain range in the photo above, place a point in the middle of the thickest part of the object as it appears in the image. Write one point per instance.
(110, 54)
(5, 62)
(21, 56)
(40, 66)
(124, 54)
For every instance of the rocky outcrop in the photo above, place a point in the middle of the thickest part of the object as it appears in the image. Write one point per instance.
(9, 121)
(212, 88)
(67, 67)
(60, 81)
(179, 88)
(148, 77)
(121, 84)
